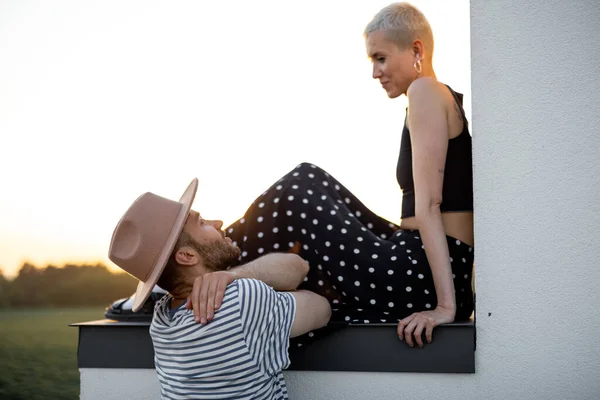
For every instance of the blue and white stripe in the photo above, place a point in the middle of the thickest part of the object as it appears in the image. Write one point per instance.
(238, 355)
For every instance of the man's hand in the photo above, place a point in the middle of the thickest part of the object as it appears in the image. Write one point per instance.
(207, 294)
(425, 320)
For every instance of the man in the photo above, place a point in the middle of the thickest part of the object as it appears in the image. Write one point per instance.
(241, 352)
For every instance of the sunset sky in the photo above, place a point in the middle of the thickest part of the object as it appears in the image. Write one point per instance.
(102, 101)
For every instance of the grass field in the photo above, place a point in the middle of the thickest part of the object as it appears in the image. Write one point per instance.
(38, 353)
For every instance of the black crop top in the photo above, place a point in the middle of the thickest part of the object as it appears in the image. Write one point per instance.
(457, 190)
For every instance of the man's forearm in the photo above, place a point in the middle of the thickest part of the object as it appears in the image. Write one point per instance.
(282, 271)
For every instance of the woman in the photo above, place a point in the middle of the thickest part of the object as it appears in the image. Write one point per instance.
(418, 273)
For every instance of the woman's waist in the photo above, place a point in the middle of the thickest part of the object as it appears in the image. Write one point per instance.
(457, 224)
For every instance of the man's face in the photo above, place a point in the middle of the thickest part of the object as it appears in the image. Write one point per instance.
(216, 250)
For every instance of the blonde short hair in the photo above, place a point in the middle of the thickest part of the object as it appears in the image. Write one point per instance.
(403, 23)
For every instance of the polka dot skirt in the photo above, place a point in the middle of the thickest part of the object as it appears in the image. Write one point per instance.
(370, 270)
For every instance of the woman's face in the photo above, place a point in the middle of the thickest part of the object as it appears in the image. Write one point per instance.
(393, 67)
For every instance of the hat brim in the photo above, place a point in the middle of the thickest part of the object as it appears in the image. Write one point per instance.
(145, 288)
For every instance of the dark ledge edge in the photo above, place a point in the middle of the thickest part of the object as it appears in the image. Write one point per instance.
(367, 348)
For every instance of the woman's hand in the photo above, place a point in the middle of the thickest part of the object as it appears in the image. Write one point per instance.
(207, 295)
(414, 324)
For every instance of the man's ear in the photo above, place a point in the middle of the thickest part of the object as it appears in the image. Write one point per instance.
(186, 256)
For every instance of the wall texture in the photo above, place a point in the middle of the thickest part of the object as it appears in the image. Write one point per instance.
(536, 112)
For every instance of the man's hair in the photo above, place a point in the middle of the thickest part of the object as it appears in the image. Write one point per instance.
(402, 23)
(171, 277)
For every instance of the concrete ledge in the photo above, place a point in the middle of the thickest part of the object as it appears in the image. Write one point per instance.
(368, 348)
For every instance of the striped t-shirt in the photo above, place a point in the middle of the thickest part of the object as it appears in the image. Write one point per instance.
(240, 354)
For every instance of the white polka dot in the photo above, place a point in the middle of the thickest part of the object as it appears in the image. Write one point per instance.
(426, 291)
(402, 243)
(366, 321)
(390, 272)
(261, 250)
(356, 267)
(323, 197)
(464, 260)
(414, 261)
(299, 344)
(244, 253)
(276, 245)
(278, 187)
(409, 272)
(320, 283)
(347, 318)
(245, 238)
(453, 276)
(312, 236)
(327, 243)
(231, 230)
(370, 225)
(390, 304)
(389, 288)
(275, 214)
(325, 183)
(356, 283)
(306, 279)
(451, 259)
(260, 234)
(420, 276)
(275, 230)
(394, 246)
(340, 278)
(302, 215)
(342, 247)
(242, 220)
(343, 293)
(356, 298)
(311, 175)
(377, 244)
(409, 305)
(357, 213)
(305, 201)
(347, 222)
(371, 270)
(291, 244)
(408, 289)
(289, 213)
(332, 212)
(347, 200)
(344, 230)
(290, 228)
(261, 205)
(290, 198)
(320, 266)
(329, 227)
(303, 231)
(315, 222)
(458, 242)
(408, 251)
(310, 192)
(234, 243)
(356, 251)
(296, 174)
(319, 208)
(372, 301)
(372, 285)
(360, 239)
(342, 263)
(427, 305)
(362, 228)
(393, 258)
(310, 334)
(466, 276)
(276, 200)
(374, 256)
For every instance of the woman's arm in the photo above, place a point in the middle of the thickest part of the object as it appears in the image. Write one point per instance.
(428, 125)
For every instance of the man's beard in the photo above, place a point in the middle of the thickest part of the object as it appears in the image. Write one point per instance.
(218, 255)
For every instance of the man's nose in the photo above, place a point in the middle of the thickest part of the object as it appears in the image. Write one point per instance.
(216, 223)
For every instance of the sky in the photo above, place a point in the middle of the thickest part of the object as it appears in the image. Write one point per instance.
(103, 101)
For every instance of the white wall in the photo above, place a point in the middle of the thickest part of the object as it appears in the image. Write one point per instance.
(536, 112)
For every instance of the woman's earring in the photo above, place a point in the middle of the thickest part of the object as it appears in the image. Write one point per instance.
(417, 65)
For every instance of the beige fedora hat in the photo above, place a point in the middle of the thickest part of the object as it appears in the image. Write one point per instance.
(144, 238)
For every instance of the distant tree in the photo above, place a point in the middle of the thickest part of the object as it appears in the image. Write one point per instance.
(71, 285)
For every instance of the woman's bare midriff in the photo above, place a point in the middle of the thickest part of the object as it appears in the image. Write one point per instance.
(458, 225)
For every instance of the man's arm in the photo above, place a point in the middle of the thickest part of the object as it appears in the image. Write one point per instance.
(282, 271)
(312, 312)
